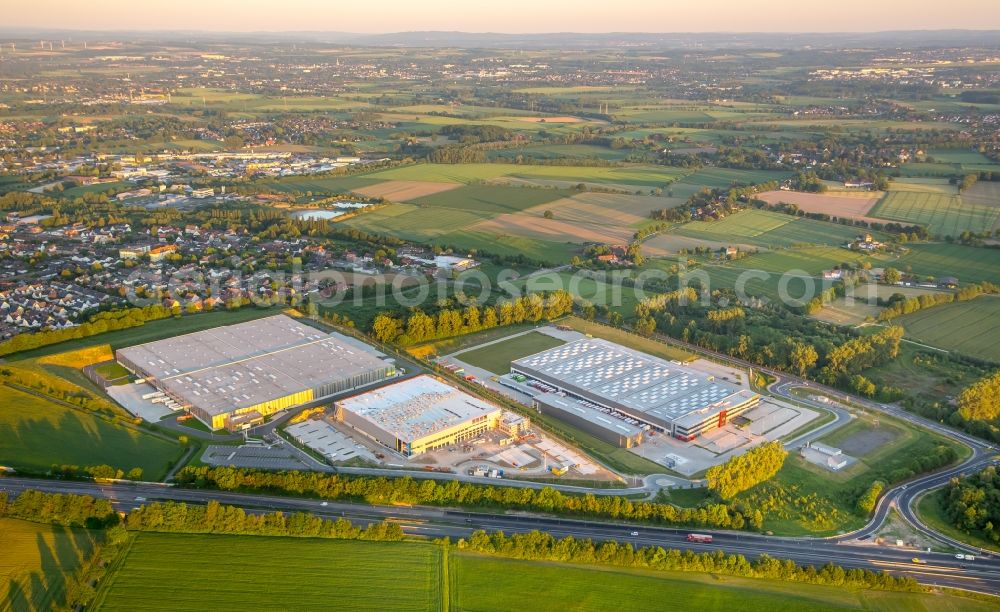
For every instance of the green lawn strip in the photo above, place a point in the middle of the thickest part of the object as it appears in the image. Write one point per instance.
(496, 358)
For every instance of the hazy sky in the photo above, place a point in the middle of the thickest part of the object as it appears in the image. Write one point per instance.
(504, 15)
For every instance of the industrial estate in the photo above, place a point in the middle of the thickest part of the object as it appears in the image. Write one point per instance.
(446, 321)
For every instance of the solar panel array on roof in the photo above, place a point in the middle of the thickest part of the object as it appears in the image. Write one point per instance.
(632, 381)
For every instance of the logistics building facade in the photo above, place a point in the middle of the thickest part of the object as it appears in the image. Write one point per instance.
(418, 415)
(232, 377)
(617, 391)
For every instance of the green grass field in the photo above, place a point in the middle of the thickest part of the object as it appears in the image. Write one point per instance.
(968, 264)
(36, 561)
(769, 229)
(497, 357)
(209, 572)
(811, 260)
(942, 215)
(970, 328)
(189, 571)
(638, 176)
(36, 433)
(485, 584)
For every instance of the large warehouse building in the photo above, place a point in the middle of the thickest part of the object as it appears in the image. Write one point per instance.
(418, 415)
(617, 393)
(231, 377)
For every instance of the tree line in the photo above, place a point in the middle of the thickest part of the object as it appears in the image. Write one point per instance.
(421, 327)
(899, 305)
(539, 546)
(453, 493)
(214, 517)
(58, 508)
(746, 471)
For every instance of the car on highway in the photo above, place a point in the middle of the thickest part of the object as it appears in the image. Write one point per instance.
(918, 561)
(965, 557)
(140, 499)
(634, 534)
(325, 504)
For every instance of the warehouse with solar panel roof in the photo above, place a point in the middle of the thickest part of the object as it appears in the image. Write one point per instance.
(618, 394)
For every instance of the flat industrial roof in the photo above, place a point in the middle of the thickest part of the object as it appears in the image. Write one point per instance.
(631, 381)
(590, 414)
(417, 407)
(222, 369)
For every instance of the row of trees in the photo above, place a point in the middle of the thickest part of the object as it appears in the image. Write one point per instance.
(421, 327)
(453, 493)
(217, 518)
(746, 471)
(98, 323)
(544, 547)
(900, 305)
(69, 510)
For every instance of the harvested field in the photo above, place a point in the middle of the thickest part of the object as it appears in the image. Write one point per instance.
(403, 191)
(845, 311)
(555, 230)
(587, 217)
(844, 204)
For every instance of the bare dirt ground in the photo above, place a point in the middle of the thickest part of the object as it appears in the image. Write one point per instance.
(840, 204)
(402, 191)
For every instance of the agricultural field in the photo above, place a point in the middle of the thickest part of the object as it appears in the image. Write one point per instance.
(970, 328)
(475, 588)
(943, 215)
(790, 288)
(845, 204)
(36, 433)
(968, 264)
(721, 178)
(769, 230)
(36, 562)
(274, 573)
(404, 191)
(496, 357)
(810, 260)
(983, 193)
(582, 218)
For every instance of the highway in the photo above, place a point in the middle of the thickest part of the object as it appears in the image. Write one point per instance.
(981, 575)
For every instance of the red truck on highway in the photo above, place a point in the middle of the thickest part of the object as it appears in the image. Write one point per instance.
(697, 537)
